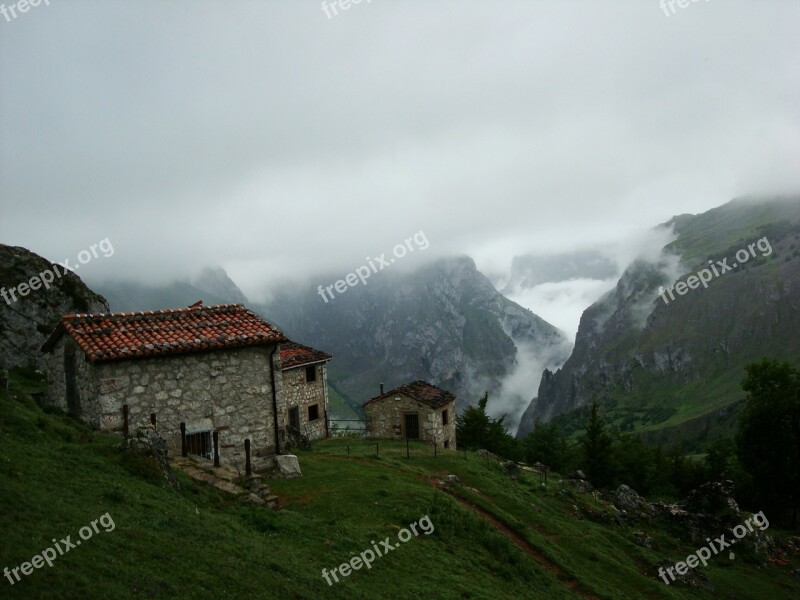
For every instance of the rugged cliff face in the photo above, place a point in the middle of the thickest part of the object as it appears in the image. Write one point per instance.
(674, 367)
(444, 323)
(27, 320)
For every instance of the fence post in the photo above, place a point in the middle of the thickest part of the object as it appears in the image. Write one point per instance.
(377, 450)
(348, 449)
(248, 468)
(434, 448)
(125, 420)
(184, 450)
(465, 454)
(216, 448)
(408, 454)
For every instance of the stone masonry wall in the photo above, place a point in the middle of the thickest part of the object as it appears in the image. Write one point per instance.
(385, 419)
(229, 391)
(298, 392)
(56, 393)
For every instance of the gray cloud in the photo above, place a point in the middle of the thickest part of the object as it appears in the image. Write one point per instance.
(277, 143)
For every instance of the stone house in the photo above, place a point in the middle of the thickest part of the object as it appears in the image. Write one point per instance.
(416, 410)
(216, 369)
(303, 408)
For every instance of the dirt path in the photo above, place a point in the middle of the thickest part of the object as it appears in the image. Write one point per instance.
(517, 540)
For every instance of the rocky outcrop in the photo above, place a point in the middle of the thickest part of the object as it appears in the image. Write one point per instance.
(625, 498)
(146, 442)
(632, 344)
(26, 321)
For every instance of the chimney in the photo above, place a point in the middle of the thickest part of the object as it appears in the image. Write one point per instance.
(381, 389)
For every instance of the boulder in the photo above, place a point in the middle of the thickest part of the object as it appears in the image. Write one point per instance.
(511, 468)
(625, 498)
(146, 441)
(453, 479)
(714, 498)
(288, 466)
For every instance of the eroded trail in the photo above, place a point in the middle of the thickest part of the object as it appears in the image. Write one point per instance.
(517, 540)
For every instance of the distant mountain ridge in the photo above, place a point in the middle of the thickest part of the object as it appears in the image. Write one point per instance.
(673, 369)
(530, 270)
(445, 323)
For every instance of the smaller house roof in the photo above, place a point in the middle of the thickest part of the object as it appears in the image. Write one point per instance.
(122, 336)
(421, 391)
(296, 355)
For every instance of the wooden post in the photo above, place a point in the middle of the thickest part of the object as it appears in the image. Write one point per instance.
(377, 450)
(348, 449)
(408, 453)
(184, 449)
(434, 449)
(125, 428)
(465, 454)
(216, 448)
(248, 468)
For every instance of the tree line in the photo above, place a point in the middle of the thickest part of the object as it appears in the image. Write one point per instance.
(762, 458)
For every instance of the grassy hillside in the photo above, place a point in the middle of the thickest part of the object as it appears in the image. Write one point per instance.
(494, 538)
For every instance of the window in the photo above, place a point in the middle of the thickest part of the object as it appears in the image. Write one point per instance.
(444, 417)
(311, 373)
(411, 422)
(313, 412)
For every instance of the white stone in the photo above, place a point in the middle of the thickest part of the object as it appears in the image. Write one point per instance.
(288, 465)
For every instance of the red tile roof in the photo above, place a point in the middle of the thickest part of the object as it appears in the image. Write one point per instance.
(121, 336)
(296, 355)
(421, 391)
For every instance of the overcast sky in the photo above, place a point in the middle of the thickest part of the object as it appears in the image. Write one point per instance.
(271, 140)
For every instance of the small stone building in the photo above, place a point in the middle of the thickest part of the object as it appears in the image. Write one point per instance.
(212, 368)
(303, 409)
(416, 410)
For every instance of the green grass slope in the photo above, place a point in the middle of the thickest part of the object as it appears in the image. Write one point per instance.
(493, 538)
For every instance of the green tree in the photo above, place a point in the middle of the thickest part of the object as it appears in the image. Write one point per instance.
(597, 445)
(547, 445)
(768, 438)
(635, 464)
(476, 430)
(719, 462)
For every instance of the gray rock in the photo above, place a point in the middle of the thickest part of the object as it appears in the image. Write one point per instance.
(511, 468)
(288, 466)
(453, 479)
(147, 442)
(27, 321)
(625, 498)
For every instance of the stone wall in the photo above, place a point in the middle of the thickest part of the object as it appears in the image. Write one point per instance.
(56, 393)
(304, 394)
(385, 419)
(228, 391)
